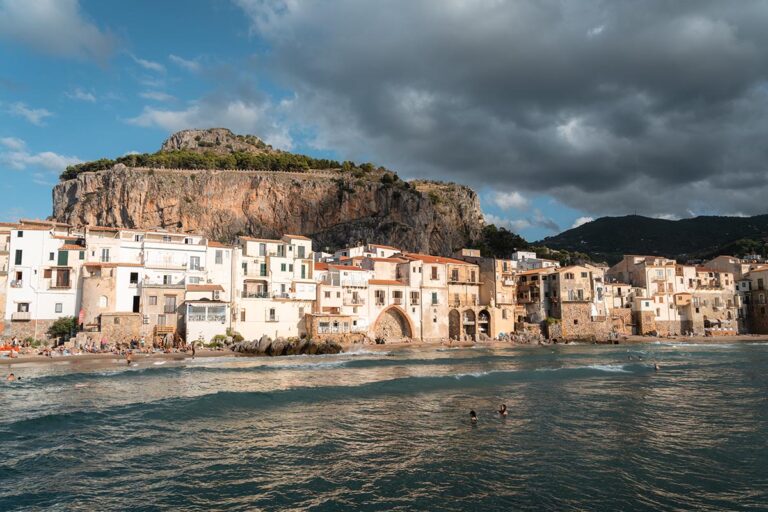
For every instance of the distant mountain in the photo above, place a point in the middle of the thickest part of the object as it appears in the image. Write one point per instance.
(608, 238)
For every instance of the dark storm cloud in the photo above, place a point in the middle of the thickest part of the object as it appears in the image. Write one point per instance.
(658, 107)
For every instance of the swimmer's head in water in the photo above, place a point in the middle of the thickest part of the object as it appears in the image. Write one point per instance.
(472, 414)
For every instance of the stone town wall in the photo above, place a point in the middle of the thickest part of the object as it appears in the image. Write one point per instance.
(121, 327)
(577, 322)
(621, 321)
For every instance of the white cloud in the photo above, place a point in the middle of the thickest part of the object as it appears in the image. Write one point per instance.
(514, 225)
(33, 115)
(81, 95)
(157, 96)
(56, 27)
(238, 115)
(581, 221)
(19, 158)
(596, 31)
(507, 200)
(12, 143)
(149, 64)
(189, 65)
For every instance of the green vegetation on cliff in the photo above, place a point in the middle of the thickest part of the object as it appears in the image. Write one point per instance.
(185, 159)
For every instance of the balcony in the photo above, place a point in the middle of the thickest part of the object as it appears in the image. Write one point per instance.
(60, 286)
(273, 318)
(397, 300)
(354, 301)
(169, 309)
(254, 295)
(17, 283)
(21, 316)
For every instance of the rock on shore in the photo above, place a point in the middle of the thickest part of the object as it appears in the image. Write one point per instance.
(266, 346)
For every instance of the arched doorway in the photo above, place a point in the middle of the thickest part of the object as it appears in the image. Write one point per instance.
(392, 324)
(484, 322)
(454, 325)
(468, 320)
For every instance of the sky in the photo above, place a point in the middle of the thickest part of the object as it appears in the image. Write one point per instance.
(555, 112)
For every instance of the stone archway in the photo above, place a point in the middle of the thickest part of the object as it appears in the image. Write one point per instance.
(392, 324)
(454, 325)
(468, 320)
(484, 322)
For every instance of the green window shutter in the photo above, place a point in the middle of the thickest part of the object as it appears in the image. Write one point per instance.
(63, 258)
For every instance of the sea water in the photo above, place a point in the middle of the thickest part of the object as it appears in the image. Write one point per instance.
(589, 428)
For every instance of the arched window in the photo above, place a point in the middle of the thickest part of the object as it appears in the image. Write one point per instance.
(103, 301)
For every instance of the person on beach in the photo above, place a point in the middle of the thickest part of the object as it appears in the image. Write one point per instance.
(473, 416)
(193, 349)
(129, 358)
(503, 410)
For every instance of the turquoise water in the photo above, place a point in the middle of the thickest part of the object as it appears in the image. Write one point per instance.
(587, 429)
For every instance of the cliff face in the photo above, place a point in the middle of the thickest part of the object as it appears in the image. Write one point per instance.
(331, 207)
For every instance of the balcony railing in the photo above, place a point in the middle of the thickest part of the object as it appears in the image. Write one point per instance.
(21, 316)
(255, 295)
(169, 309)
(397, 300)
(17, 283)
(60, 286)
(354, 301)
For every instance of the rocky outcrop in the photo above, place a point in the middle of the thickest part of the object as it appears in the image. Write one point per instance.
(216, 140)
(334, 208)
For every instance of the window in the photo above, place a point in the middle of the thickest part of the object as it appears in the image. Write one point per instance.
(50, 256)
(58, 308)
(301, 312)
(17, 259)
(454, 274)
(116, 321)
(434, 298)
(472, 276)
(272, 315)
(415, 298)
(160, 319)
(169, 305)
(134, 278)
(327, 295)
(105, 254)
(22, 307)
(138, 238)
(82, 255)
(282, 267)
(301, 250)
(19, 234)
(262, 249)
(194, 279)
(167, 279)
(263, 269)
(380, 297)
(338, 295)
(397, 297)
(166, 238)
(103, 301)
(290, 267)
(242, 315)
(46, 273)
(194, 262)
(584, 274)
(504, 314)
(434, 273)
(188, 241)
(575, 321)
(219, 257)
(153, 300)
(568, 275)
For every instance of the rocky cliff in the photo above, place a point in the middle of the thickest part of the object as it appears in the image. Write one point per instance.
(332, 207)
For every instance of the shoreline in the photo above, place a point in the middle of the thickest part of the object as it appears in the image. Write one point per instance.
(351, 348)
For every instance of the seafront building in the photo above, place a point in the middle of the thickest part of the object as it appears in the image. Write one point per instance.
(121, 284)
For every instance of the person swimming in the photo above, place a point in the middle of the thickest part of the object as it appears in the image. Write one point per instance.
(656, 367)
(503, 410)
(129, 358)
(11, 377)
(473, 416)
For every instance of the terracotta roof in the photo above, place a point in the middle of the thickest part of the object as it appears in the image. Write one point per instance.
(427, 258)
(298, 237)
(550, 270)
(205, 288)
(388, 282)
(9, 224)
(213, 243)
(71, 247)
(110, 265)
(34, 227)
(389, 260)
(268, 240)
(102, 228)
(320, 265)
(346, 267)
(384, 247)
(44, 222)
